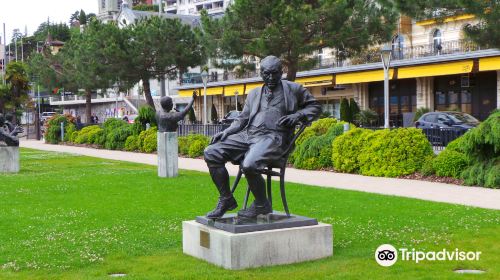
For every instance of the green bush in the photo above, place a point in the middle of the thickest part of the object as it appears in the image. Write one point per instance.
(449, 163)
(345, 111)
(131, 143)
(116, 132)
(89, 135)
(392, 153)
(146, 115)
(483, 142)
(73, 136)
(317, 128)
(483, 173)
(147, 141)
(315, 152)
(193, 145)
(53, 130)
(427, 167)
(70, 129)
(346, 149)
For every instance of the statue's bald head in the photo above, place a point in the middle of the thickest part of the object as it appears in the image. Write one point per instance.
(271, 71)
(271, 63)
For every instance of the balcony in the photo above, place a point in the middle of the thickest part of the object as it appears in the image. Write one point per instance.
(366, 57)
(80, 99)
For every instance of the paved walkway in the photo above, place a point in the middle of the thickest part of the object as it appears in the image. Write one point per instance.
(471, 196)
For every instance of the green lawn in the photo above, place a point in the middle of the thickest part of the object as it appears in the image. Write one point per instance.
(73, 217)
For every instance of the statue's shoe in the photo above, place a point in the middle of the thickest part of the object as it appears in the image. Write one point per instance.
(255, 210)
(223, 205)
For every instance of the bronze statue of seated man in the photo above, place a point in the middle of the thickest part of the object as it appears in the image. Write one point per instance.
(258, 136)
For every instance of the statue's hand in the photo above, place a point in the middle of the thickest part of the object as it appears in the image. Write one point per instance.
(290, 120)
(195, 95)
(18, 130)
(218, 137)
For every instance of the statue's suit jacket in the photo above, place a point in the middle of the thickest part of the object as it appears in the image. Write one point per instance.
(297, 100)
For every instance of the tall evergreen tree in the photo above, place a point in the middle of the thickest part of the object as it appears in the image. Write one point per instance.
(293, 30)
(353, 109)
(345, 112)
(94, 60)
(157, 47)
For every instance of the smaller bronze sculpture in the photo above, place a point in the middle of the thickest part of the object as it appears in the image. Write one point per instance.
(9, 132)
(167, 120)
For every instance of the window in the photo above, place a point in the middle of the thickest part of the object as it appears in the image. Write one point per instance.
(437, 40)
(442, 119)
(103, 4)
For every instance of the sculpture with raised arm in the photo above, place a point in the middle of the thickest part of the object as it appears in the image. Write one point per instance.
(9, 132)
(167, 120)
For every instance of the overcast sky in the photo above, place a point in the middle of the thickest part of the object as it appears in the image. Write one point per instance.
(30, 13)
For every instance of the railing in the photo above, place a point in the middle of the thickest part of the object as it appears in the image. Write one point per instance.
(211, 129)
(367, 56)
(441, 137)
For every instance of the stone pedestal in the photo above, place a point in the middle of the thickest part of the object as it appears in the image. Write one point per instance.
(9, 159)
(168, 150)
(259, 248)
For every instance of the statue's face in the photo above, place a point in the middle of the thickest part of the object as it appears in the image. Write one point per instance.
(271, 73)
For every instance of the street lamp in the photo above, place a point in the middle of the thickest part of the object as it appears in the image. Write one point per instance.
(386, 53)
(236, 98)
(204, 78)
(116, 86)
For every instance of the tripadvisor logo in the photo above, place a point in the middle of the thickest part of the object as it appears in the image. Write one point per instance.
(387, 255)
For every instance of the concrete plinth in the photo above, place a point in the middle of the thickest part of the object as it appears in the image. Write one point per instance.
(255, 249)
(168, 154)
(9, 159)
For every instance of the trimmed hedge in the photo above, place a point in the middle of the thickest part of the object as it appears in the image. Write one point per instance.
(388, 153)
(89, 135)
(193, 145)
(392, 153)
(147, 141)
(131, 143)
(449, 163)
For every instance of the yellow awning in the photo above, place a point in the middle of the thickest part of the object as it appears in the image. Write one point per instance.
(362, 77)
(187, 92)
(447, 19)
(436, 69)
(230, 90)
(249, 87)
(214, 91)
(316, 81)
(489, 63)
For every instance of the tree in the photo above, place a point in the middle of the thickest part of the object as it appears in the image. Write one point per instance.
(94, 60)
(293, 30)
(353, 109)
(192, 116)
(213, 114)
(157, 47)
(15, 94)
(74, 19)
(486, 32)
(57, 31)
(82, 19)
(345, 112)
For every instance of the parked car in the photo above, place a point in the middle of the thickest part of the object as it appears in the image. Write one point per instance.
(444, 127)
(130, 118)
(230, 117)
(446, 120)
(46, 115)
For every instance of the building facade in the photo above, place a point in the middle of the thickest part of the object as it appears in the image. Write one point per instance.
(433, 66)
